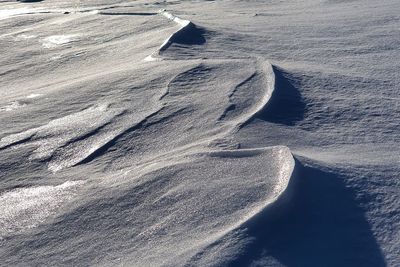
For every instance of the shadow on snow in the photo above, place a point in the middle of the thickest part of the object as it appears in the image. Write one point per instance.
(317, 222)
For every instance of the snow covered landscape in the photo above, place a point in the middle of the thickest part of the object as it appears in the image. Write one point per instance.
(200, 133)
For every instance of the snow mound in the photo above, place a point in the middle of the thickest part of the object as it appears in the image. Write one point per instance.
(188, 33)
(81, 135)
(171, 212)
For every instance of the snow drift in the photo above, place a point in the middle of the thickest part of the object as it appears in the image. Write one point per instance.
(205, 153)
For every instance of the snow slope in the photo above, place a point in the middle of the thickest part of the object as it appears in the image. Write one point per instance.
(199, 133)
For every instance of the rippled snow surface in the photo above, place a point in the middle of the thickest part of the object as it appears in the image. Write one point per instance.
(199, 133)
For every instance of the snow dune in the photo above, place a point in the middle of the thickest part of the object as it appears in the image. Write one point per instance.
(190, 193)
(244, 139)
(187, 33)
(66, 150)
(172, 211)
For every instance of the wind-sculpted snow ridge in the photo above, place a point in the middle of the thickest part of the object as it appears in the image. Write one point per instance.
(188, 33)
(84, 135)
(173, 181)
(259, 86)
(269, 87)
(276, 189)
(166, 215)
(178, 162)
(231, 244)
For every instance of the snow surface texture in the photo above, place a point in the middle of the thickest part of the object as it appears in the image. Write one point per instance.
(199, 133)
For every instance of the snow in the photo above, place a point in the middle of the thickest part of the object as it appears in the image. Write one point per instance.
(56, 40)
(199, 133)
(7, 13)
(25, 208)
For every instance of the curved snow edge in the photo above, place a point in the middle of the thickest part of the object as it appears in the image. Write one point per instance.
(281, 190)
(268, 71)
(282, 193)
(183, 23)
(280, 203)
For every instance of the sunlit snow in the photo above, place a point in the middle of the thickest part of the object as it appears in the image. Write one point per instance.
(199, 133)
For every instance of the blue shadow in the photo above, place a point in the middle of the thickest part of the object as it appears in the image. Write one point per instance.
(316, 223)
